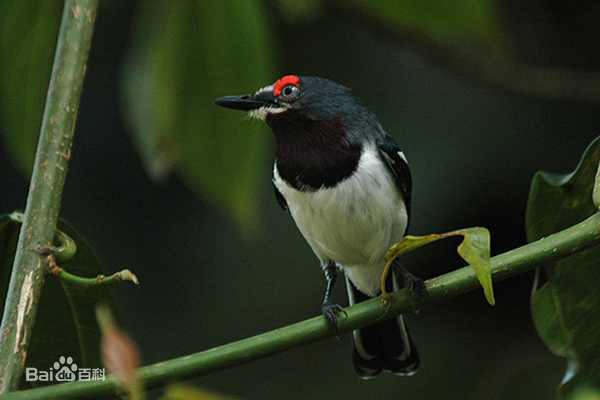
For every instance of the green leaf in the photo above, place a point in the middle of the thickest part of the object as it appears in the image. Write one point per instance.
(586, 394)
(187, 392)
(28, 31)
(566, 308)
(474, 249)
(65, 323)
(184, 55)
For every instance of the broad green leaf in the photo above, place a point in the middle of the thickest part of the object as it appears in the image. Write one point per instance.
(185, 54)
(474, 249)
(187, 392)
(65, 323)
(549, 321)
(566, 308)
(28, 31)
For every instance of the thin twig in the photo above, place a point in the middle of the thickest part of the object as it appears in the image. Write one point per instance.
(124, 275)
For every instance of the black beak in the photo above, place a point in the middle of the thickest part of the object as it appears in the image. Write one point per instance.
(246, 102)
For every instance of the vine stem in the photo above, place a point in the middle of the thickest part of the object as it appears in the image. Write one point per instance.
(442, 288)
(46, 187)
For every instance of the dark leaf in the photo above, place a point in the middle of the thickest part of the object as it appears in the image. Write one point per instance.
(28, 31)
(566, 308)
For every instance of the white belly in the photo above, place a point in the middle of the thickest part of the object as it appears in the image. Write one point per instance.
(353, 223)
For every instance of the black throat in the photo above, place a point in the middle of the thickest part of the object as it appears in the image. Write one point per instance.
(312, 154)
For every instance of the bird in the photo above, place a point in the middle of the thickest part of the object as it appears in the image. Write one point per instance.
(347, 185)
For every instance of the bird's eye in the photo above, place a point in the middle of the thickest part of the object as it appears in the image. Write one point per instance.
(290, 92)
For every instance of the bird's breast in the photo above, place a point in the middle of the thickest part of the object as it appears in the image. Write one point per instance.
(353, 222)
(312, 154)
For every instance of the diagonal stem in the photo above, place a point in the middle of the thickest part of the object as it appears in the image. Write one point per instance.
(46, 187)
(442, 288)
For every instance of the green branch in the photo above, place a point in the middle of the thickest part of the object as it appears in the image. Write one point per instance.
(442, 288)
(45, 190)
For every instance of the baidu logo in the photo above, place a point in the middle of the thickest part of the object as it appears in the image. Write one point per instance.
(64, 370)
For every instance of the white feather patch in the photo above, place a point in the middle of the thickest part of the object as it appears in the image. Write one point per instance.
(262, 112)
(353, 223)
(402, 156)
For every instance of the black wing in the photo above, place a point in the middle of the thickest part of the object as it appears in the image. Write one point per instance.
(280, 198)
(394, 158)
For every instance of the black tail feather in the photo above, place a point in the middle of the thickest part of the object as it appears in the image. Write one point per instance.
(385, 346)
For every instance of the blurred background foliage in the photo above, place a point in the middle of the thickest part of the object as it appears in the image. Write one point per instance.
(180, 60)
(480, 94)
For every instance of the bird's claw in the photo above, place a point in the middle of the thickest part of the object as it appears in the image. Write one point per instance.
(416, 285)
(330, 312)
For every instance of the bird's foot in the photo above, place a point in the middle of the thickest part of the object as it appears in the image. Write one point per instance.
(330, 312)
(415, 284)
(416, 287)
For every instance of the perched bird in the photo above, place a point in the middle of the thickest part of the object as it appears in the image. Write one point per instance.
(347, 185)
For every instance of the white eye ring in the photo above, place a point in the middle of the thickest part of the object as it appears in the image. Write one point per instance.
(289, 92)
